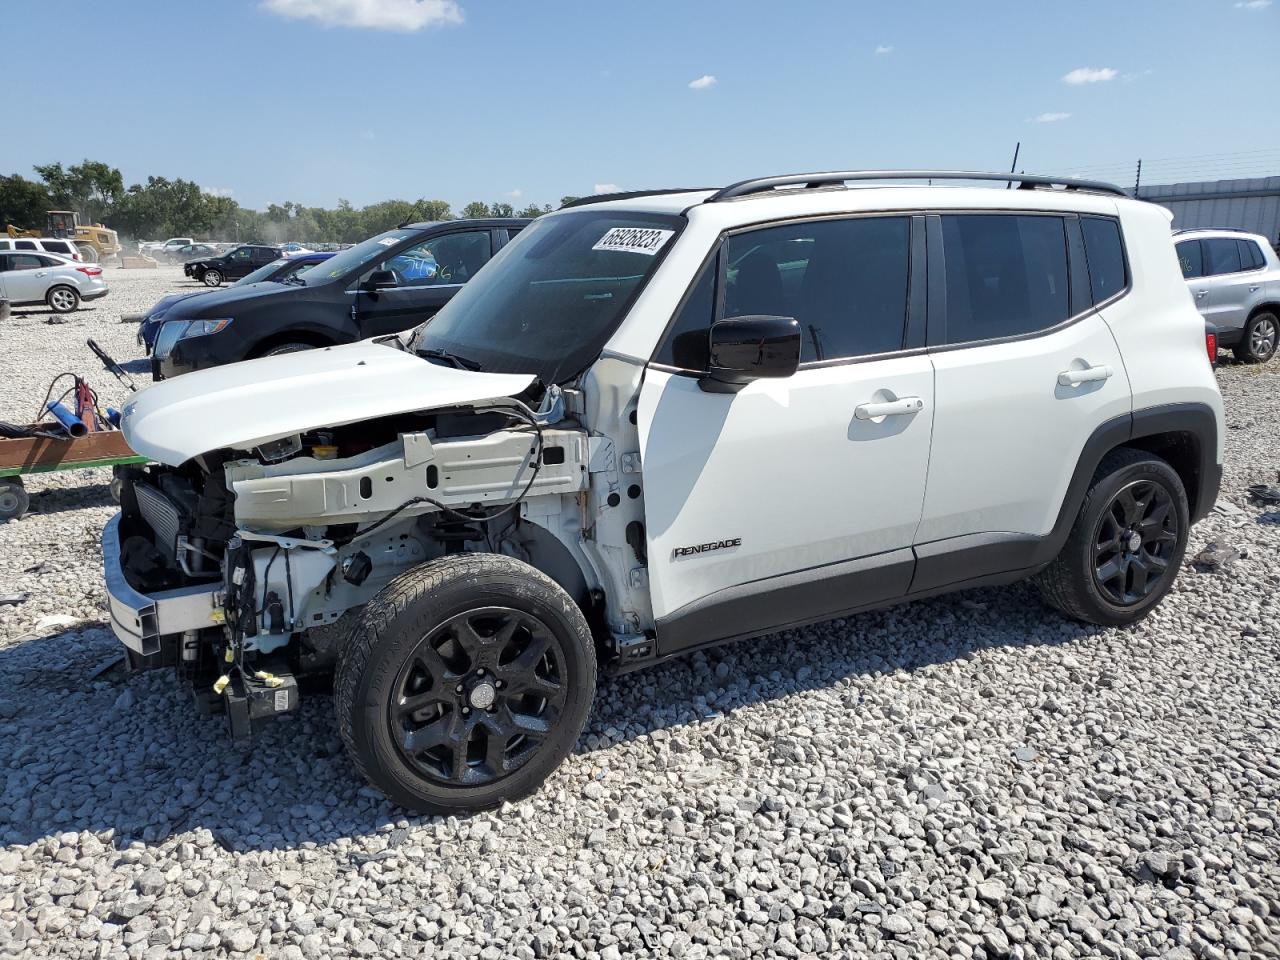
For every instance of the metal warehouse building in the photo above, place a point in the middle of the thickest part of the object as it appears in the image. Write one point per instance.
(1252, 205)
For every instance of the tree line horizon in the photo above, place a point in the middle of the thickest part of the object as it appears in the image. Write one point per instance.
(164, 207)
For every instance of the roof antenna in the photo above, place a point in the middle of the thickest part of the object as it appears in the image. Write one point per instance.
(1013, 166)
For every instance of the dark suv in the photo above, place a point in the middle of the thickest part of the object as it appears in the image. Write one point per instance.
(384, 285)
(235, 263)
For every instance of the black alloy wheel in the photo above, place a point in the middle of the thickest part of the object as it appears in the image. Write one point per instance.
(478, 696)
(1135, 541)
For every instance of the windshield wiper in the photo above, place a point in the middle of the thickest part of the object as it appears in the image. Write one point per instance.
(462, 363)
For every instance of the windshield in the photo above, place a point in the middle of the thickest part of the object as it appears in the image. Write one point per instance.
(362, 254)
(550, 299)
(262, 273)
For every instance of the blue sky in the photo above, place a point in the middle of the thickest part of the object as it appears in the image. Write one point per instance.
(312, 100)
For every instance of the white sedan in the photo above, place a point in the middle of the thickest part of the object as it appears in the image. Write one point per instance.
(27, 278)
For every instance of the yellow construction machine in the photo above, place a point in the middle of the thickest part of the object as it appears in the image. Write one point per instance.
(95, 242)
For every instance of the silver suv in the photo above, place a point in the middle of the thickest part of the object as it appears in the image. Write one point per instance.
(1235, 280)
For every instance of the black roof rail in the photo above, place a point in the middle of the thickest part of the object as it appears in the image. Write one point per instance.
(746, 188)
(1214, 229)
(629, 195)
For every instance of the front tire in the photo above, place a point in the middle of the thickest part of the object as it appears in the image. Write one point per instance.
(1258, 342)
(212, 278)
(62, 299)
(466, 682)
(286, 348)
(1126, 545)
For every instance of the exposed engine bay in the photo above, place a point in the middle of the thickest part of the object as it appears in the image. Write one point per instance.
(293, 536)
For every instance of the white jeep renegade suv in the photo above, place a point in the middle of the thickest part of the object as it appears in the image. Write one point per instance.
(658, 421)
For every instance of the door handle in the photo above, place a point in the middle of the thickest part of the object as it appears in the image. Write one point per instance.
(1201, 294)
(1073, 378)
(889, 408)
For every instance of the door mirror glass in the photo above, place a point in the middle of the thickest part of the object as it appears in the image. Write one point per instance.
(381, 280)
(752, 348)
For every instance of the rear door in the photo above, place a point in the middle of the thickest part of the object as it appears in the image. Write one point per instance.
(1226, 284)
(808, 497)
(1025, 370)
(428, 274)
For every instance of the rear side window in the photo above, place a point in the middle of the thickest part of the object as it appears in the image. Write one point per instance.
(24, 261)
(1190, 259)
(1221, 255)
(57, 246)
(1250, 255)
(24, 245)
(1105, 253)
(1006, 275)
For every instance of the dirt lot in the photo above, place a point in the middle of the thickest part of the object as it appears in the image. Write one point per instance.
(971, 776)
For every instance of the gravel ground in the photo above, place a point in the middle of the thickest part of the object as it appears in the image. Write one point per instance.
(965, 777)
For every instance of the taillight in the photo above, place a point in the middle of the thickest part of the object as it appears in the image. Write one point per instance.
(90, 271)
(1211, 345)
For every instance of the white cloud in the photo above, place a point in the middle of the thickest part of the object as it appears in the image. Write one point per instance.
(1048, 117)
(515, 194)
(1090, 75)
(704, 81)
(883, 49)
(402, 15)
(1253, 4)
(218, 191)
(608, 188)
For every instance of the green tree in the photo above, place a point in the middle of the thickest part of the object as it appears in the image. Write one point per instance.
(434, 210)
(565, 201)
(23, 203)
(501, 210)
(533, 210)
(91, 188)
(475, 209)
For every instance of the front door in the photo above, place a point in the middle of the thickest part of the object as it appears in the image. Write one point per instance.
(798, 498)
(24, 277)
(239, 263)
(427, 275)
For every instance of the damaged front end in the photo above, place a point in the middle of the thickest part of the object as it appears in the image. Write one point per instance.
(242, 566)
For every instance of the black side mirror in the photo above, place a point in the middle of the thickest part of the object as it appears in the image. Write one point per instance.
(381, 280)
(751, 348)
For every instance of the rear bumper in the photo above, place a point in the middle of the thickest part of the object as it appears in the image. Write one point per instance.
(139, 620)
(95, 294)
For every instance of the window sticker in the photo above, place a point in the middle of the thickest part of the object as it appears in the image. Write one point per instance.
(634, 240)
(389, 241)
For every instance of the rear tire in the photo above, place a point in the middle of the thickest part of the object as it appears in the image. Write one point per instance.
(1126, 545)
(13, 499)
(62, 299)
(88, 253)
(466, 682)
(1258, 342)
(211, 278)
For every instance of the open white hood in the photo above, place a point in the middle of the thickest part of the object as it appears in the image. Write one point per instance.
(244, 404)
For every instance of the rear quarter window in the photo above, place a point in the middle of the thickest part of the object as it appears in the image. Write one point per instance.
(1104, 250)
